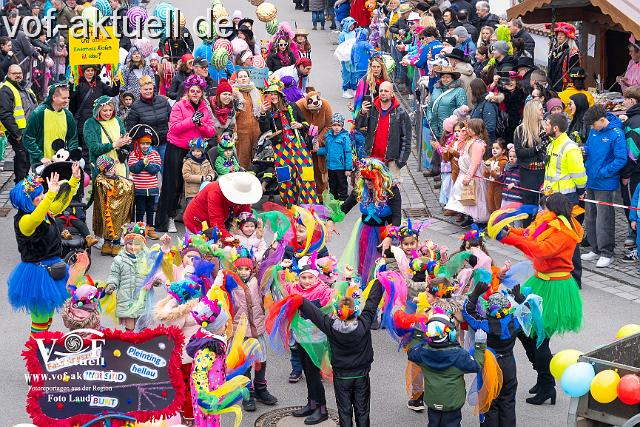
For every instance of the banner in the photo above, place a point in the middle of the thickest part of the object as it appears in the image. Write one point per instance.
(257, 75)
(94, 50)
(74, 377)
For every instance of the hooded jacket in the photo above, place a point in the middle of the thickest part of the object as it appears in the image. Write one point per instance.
(345, 25)
(154, 112)
(337, 151)
(93, 136)
(443, 370)
(466, 76)
(34, 133)
(632, 134)
(361, 52)
(193, 174)
(487, 110)
(605, 155)
(400, 128)
(248, 301)
(350, 341)
(84, 94)
(447, 103)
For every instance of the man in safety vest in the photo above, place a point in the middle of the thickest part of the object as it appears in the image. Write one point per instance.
(16, 104)
(565, 173)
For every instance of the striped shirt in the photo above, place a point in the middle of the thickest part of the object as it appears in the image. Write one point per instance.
(145, 177)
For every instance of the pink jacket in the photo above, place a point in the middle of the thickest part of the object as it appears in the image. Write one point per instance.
(168, 312)
(319, 292)
(249, 301)
(257, 244)
(182, 129)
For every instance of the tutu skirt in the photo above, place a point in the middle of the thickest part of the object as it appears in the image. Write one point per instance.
(361, 251)
(561, 304)
(32, 289)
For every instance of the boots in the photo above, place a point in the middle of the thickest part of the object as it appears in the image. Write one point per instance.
(250, 404)
(263, 396)
(544, 393)
(115, 249)
(151, 233)
(319, 415)
(66, 235)
(91, 240)
(107, 248)
(305, 410)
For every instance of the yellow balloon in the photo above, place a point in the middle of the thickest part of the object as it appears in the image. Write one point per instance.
(627, 330)
(604, 386)
(562, 360)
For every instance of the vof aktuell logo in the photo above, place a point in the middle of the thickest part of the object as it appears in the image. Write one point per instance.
(154, 27)
(80, 347)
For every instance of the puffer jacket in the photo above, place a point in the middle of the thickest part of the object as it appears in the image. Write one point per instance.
(316, 5)
(182, 129)
(249, 302)
(487, 109)
(437, 113)
(126, 275)
(257, 244)
(154, 112)
(605, 155)
(193, 173)
(337, 150)
(168, 312)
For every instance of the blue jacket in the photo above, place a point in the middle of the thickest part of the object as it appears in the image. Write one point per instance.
(606, 155)
(342, 11)
(337, 150)
(345, 34)
(361, 52)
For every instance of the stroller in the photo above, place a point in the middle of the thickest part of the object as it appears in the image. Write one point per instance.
(262, 166)
(75, 213)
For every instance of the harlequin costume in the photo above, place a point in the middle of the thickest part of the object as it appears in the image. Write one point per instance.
(31, 286)
(293, 162)
(379, 207)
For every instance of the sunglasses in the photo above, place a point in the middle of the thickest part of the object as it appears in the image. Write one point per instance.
(195, 90)
(283, 44)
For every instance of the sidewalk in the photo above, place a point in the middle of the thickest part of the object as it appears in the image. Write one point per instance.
(6, 183)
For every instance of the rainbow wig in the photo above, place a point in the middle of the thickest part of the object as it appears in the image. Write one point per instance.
(377, 172)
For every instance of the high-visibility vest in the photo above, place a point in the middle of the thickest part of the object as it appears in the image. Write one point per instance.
(18, 111)
(560, 174)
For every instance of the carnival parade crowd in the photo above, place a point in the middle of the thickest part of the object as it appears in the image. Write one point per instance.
(183, 133)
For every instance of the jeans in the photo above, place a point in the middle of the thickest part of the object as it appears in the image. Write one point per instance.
(317, 17)
(296, 364)
(145, 205)
(600, 223)
(161, 149)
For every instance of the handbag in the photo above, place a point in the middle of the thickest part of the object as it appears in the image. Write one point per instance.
(57, 271)
(468, 194)
(123, 153)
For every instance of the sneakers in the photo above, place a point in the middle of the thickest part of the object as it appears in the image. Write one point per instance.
(172, 226)
(632, 256)
(294, 376)
(603, 262)
(416, 404)
(591, 256)
(347, 94)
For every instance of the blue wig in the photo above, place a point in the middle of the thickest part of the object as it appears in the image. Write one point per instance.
(25, 192)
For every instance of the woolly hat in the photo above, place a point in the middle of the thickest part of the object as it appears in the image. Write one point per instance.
(449, 123)
(502, 47)
(498, 305)
(223, 86)
(186, 58)
(245, 258)
(134, 230)
(337, 119)
(104, 163)
(553, 103)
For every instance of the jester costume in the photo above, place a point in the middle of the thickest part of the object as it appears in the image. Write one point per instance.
(293, 164)
(380, 206)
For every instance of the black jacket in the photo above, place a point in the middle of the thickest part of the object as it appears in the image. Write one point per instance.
(5, 62)
(527, 155)
(82, 111)
(274, 63)
(268, 123)
(399, 145)
(501, 333)
(508, 63)
(491, 20)
(176, 90)
(529, 42)
(7, 105)
(632, 133)
(395, 203)
(43, 48)
(154, 112)
(351, 347)
(176, 47)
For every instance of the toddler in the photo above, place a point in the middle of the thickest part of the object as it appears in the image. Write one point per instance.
(226, 162)
(495, 167)
(126, 100)
(337, 150)
(250, 234)
(144, 164)
(196, 168)
(510, 179)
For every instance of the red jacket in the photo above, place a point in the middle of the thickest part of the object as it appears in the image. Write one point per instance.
(211, 206)
(552, 249)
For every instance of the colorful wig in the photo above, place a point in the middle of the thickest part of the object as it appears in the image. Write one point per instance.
(376, 171)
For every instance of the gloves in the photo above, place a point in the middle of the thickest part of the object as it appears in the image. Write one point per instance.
(477, 291)
(196, 118)
(517, 295)
(473, 260)
(480, 337)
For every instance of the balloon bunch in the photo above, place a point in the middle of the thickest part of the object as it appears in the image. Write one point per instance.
(579, 378)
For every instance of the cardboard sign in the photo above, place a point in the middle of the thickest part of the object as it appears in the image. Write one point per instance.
(94, 50)
(257, 75)
(80, 375)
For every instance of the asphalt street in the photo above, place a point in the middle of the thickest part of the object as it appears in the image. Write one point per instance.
(604, 313)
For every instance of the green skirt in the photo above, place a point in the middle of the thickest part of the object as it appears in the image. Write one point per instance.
(561, 304)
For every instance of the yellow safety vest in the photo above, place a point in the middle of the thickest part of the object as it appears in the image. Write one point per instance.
(561, 173)
(18, 111)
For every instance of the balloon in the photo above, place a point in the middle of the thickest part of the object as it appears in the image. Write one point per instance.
(136, 15)
(104, 7)
(272, 27)
(604, 386)
(90, 14)
(562, 360)
(629, 389)
(225, 44)
(627, 330)
(144, 45)
(86, 181)
(577, 378)
(258, 62)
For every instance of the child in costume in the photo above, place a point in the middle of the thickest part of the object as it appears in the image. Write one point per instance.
(114, 201)
(37, 284)
(444, 364)
(226, 162)
(349, 334)
(349, 77)
(132, 274)
(549, 242)
(175, 310)
(337, 150)
(319, 294)
(248, 300)
(510, 179)
(250, 234)
(196, 168)
(145, 164)
(494, 169)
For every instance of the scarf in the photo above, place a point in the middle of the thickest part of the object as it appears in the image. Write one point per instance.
(222, 113)
(197, 160)
(254, 95)
(285, 59)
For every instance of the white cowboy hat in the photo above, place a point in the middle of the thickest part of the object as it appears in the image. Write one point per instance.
(241, 188)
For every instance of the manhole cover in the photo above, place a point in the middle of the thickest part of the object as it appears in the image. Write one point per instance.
(416, 212)
(281, 417)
